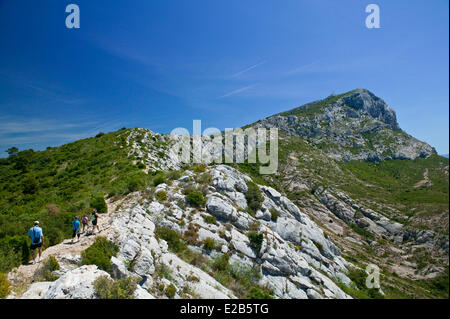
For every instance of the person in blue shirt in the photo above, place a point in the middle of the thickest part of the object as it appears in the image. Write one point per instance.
(37, 240)
(76, 227)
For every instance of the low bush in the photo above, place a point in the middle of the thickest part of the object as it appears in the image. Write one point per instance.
(258, 293)
(4, 286)
(274, 214)
(210, 219)
(195, 198)
(162, 271)
(45, 272)
(221, 263)
(161, 196)
(98, 202)
(159, 179)
(253, 197)
(204, 179)
(107, 288)
(256, 240)
(173, 239)
(100, 253)
(209, 244)
(170, 291)
(201, 168)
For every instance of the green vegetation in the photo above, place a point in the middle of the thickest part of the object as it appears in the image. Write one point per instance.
(241, 279)
(98, 202)
(195, 197)
(74, 178)
(45, 272)
(159, 179)
(170, 291)
(100, 253)
(258, 293)
(253, 197)
(256, 240)
(392, 183)
(210, 219)
(4, 286)
(358, 287)
(361, 231)
(209, 244)
(162, 271)
(173, 239)
(274, 214)
(204, 179)
(107, 288)
(161, 196)
(310, 110)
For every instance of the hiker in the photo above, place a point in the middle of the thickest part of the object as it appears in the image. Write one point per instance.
(37, 240)
(94, 219)
(85, 222)
(76, 225)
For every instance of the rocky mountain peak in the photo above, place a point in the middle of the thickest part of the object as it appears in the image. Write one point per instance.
(362, 99)
(356, 125)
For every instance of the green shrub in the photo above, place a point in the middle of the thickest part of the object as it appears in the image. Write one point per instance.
(173, 175)
(141, 165)
(195, 198)
(209, 244)
(210, 219)
(253, 197)
(221, 263)
(318, 245)
(204, 179)
(170, 291)
(201, 168)
(258, 293)
(256, 240)
(107, 288)
(274, 214)
(161, 196)
(98, 202)
(9, 258)
(45, 272)
(172, 238)
(159, 179)
(359, 289)
(4, 286)
(162, 271)
(361, 231)
(100, 253)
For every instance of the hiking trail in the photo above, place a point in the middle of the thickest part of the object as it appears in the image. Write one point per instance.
(24, 275)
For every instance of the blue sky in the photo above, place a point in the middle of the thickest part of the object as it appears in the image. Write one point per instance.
(162, 64)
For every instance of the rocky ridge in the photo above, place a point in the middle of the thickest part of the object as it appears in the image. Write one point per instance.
(295, 260)
(353, 126)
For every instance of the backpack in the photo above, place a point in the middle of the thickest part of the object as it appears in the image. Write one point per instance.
(85, 220)
(36, 240)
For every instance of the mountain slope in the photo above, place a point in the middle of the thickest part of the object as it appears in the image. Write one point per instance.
(356, 125)
(300, 232)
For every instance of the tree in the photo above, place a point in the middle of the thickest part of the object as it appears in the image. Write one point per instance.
(30, 185)
(12, 151)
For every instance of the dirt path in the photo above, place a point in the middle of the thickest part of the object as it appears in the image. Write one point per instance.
(23, 275)
(426, 182)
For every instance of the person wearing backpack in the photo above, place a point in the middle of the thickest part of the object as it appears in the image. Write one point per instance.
(94, 219)
(76, 227)
(37, 240)
(85, 221)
